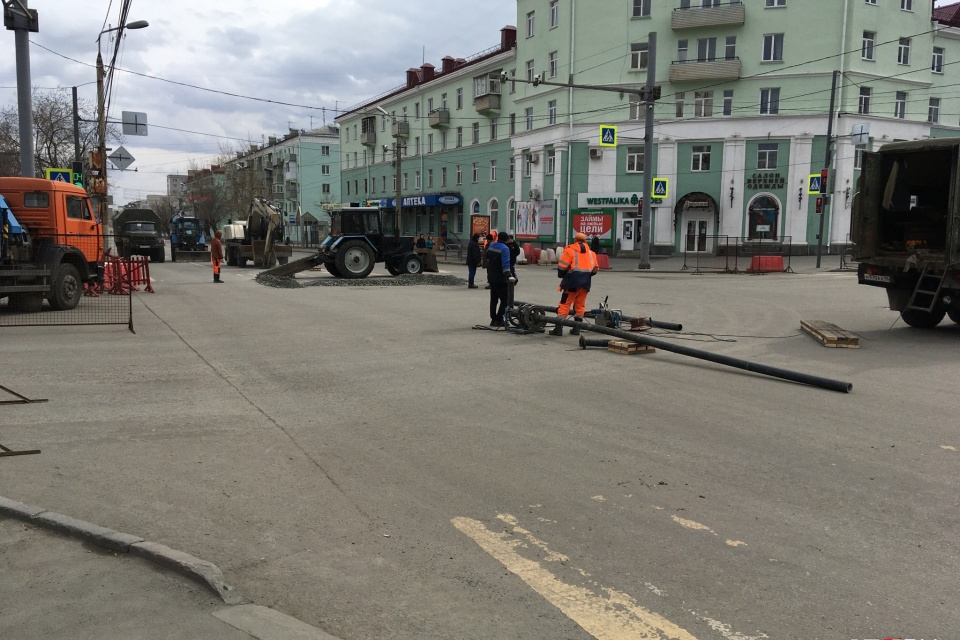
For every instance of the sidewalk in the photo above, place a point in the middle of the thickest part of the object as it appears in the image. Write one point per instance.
(80, 584)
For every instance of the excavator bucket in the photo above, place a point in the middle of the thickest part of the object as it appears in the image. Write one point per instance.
(296, 266)
(179, 255)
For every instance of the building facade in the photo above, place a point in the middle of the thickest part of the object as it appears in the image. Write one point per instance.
(740, 126)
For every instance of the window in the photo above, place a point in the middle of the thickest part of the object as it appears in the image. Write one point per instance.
(773, 47)
(906, 5)
(476, 133)
(77, 208)
(486, 84)
(325, 187)
(872, 2)
(383, 124)
(383, 184)
(635, 159)
(528, 117)
(348, 187)
(552, 112)
(641, 9)
(459, 174)
(460, 98)
(529, 70)
(858, 157)
(429, 105)
(325, 150)
(443, 176)
(494, 209)
(863, 107)
(679, 97)
(706, 49)
(402, 117)
(443, 101)
(512, 170)
(476, 172)
(682, 50)
(639, 55)
(513, 84)
(429, 143)
(416, 180)
(769, 101)
(767, 155)
(703, 104)
(554, 13)
(429, 178)
(763, 214)
(416, 145)
(728, 102)
(416, 110)
(869, 41)
(903, 51)
(324, 169)
(459, 137)
(527, 165)
(551, 162)
(933, 111)
(513, 123)
(700, 160)
(900, 105)
(493, 128)
(553, 64)
(394, 182)
(406, 182)
(731, 49)
(443, 139)
(636, 107)
(493, 171)
(937, 65)
(531, 21)
(776, 3)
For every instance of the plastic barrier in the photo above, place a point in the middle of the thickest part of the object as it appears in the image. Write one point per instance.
(551, 256)
(763, 264)
(603, 261)
(535, 255)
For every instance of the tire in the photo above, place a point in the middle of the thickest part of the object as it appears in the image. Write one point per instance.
(393, 269)
(332, 268)
(412, 265)
(25, 302)
(355, 259)
(954, 314)
(241, 262)
(67, 288)
(282, 260)
(922, 319)
(231, 257)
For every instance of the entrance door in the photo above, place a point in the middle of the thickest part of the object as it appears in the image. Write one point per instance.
(696, 238)
(628, 232)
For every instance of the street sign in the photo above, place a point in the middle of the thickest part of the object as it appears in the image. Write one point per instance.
(860, 134)
(121, 158)
(813, 183)
(608, 135)
(661, 188)
(60, 175)
(134, 123)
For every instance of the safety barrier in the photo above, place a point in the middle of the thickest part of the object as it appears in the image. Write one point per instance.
(123, 275)
(728, 254)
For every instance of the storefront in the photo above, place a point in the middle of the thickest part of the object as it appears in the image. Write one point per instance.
(625, 210)
(431, 214)
(696, 214)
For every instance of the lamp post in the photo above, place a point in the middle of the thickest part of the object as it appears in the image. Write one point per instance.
(397, 147)
(99, 162)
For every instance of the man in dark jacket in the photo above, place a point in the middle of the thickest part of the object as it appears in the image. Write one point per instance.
(500, 277)
(473, 259)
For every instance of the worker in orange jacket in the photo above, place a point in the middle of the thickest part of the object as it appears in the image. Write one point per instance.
(216, 255)
(577, 266)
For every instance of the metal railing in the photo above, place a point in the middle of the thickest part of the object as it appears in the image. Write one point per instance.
(735, 254)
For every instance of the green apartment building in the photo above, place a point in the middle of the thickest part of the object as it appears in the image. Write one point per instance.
(740, 127)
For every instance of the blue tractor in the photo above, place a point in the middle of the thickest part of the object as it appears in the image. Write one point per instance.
(187, 242)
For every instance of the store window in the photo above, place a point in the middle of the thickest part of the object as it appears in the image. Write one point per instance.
(763, 214)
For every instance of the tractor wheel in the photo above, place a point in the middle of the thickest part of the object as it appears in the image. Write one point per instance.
(922, 319)
(67, 288)
(392, 268)
(954, 314)
(412, 265)
(332, 268)
(355, 259)
(25, 302)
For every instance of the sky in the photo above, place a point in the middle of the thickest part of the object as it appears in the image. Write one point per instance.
(318, 57)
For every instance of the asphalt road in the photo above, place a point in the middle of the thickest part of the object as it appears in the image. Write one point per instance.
(364, 460)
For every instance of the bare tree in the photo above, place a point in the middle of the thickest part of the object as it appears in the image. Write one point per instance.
(207, 194)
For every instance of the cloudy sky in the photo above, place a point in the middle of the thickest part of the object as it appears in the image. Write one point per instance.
(321, 56)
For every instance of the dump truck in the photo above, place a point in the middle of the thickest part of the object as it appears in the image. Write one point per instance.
(359, 238)
(137, 232)
(187, 243)
(51, 244)
(906, 228)
(259, 239)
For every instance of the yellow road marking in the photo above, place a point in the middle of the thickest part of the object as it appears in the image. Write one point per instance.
(612, 616)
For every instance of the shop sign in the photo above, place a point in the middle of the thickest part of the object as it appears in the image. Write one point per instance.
(536, 220)
(593, 223)
(423, 201)
(617, 199)
(768, 180)
(480, 224)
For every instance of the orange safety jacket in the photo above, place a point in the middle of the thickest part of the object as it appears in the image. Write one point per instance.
(577, 266)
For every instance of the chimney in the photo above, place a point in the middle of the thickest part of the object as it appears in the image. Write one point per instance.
(413, 77)
(272, 140)
(508, 38)
(427, 72)
(448, 64)
(461, 62)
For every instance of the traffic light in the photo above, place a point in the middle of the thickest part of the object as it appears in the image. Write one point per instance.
(78, 173)
(824, 174)
(819, 205)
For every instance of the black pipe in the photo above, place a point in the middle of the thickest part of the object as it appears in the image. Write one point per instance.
(592, 342)
(672, 326)
(803, 378)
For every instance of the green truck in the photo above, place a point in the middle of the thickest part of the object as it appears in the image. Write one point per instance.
(137, 233)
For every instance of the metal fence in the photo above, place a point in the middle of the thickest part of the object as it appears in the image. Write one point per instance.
(736, 254)
(95, 289)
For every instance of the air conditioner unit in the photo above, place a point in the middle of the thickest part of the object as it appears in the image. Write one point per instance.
(534, 194)
(534, 158)
(596, 153)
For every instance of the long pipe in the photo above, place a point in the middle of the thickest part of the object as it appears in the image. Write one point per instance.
(672, 326)
(767, 370)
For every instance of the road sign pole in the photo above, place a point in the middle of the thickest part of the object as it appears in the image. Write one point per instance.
(648, 103)
(826, 165)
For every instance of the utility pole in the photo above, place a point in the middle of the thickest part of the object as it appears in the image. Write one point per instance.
(825, 176)
(76, 128)
(396, 219)
(23, 21)
(649, 94)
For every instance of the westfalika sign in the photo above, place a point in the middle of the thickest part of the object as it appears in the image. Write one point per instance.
(618, 199)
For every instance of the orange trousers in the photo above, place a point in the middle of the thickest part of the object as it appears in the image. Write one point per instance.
(576, 299)
(216, 267)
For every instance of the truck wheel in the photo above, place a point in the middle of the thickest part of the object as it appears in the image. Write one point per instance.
(355, 259)
(332, 268)
(954, 315)
(922, 319)
(25, 302)
(412, 265)
(67, 288)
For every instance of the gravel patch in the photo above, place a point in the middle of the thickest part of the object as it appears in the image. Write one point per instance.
(424, 279)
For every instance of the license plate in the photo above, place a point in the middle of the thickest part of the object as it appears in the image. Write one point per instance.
(870, 277)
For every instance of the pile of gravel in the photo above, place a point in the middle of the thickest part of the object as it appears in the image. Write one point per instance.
(429, 279)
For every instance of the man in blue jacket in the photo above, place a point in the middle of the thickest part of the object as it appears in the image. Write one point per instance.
(500, 277)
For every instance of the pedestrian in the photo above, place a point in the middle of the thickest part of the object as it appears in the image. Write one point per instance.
(216, 255)
(473, 259)
(429, 243)
(507, 239)
(421, 243)
(491, 237)
(576, 267)
(500, 277)
(595, 244)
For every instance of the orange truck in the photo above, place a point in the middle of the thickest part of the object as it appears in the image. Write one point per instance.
(50, 246)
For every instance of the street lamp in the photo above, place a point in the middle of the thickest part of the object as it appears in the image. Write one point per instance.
(396, 153)
(99, 185)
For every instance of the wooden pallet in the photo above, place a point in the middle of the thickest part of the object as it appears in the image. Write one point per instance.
(830, 335)
(625, 347)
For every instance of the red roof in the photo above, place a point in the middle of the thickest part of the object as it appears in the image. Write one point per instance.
(948, 14)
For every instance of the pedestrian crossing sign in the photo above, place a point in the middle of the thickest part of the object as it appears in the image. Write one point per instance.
(608, 135)
(661, 188)
(813, 183)
(60, 175)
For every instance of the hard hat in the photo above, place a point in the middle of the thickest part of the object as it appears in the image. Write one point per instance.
(580, 237)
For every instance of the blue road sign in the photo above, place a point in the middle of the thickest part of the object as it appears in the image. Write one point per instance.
(813, 185)
(60, 175)
(661, 188)
(608, 135)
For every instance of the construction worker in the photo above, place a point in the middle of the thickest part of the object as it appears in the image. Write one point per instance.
(216, 255)
(500, 276)
(576, 266)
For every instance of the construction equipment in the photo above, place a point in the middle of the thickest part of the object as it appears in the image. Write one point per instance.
(137, 232)
(906, 228)
(259, 239)
(50, 244)
(187, 242)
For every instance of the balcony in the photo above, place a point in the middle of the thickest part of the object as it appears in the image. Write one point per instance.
(487, 103)
(696, 17)
(706, 70)
(440, 118)
(368, 138)
(400, 129)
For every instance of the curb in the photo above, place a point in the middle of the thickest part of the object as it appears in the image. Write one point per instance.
(201, 571)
